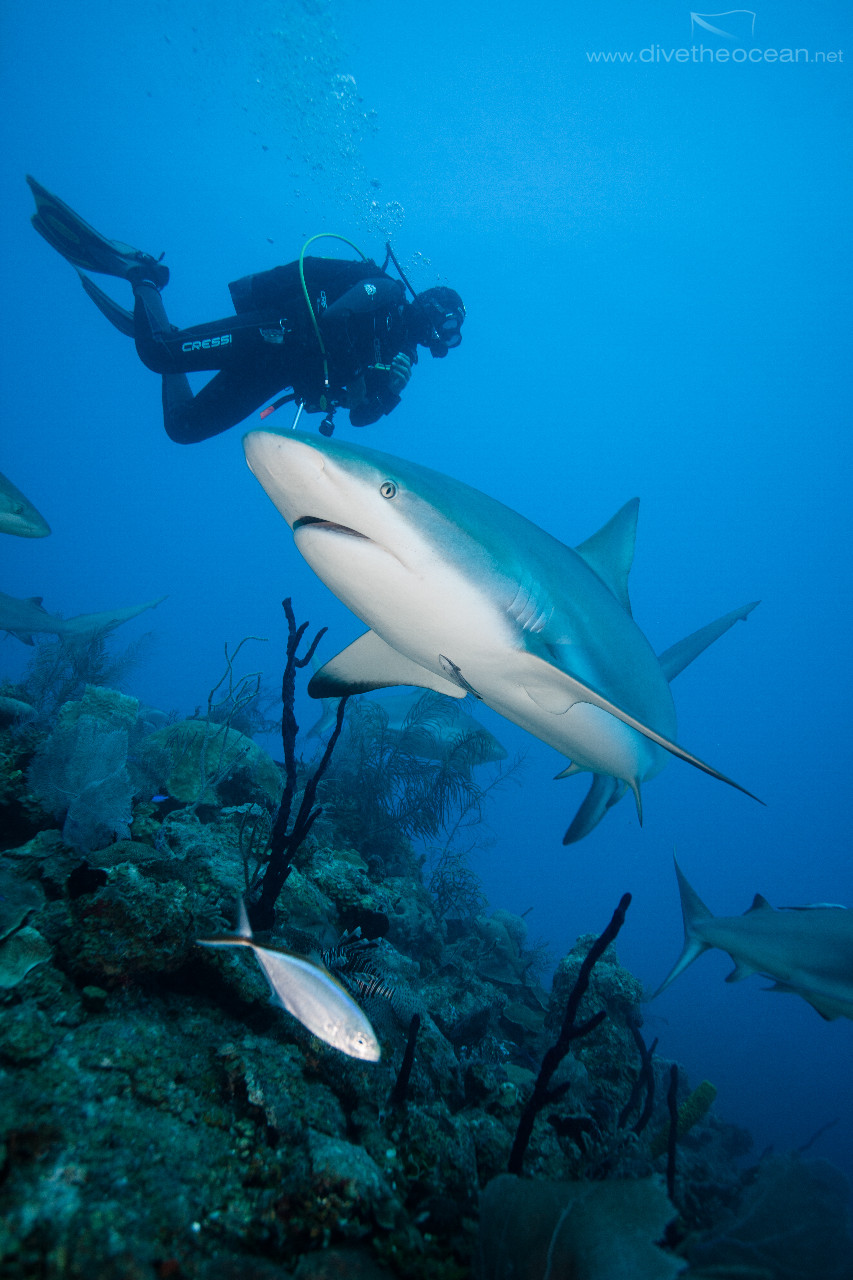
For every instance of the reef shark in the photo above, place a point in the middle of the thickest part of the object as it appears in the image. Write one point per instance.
(463, 595)
(25, 618)
(17, 513)
(807, 951)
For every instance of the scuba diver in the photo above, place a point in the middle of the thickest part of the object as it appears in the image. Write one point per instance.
(339, 333)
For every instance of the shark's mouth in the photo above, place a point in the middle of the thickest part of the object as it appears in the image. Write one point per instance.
(316, 521)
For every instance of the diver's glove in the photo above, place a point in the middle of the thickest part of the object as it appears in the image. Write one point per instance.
(401, 371)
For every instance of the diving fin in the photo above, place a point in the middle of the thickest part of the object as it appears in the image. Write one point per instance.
(83, 246)
(119, 317)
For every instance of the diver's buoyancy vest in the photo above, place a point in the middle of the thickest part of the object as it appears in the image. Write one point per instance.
(280, 288)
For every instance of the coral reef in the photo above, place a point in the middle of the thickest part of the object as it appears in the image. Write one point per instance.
(691, 1112)
(80, 773)
(210, 764)
(160, 1118)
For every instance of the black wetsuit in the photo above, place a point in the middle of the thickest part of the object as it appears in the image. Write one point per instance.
(270, 344)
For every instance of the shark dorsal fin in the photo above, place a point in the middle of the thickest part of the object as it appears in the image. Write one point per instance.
(610, 552)
(759, 903)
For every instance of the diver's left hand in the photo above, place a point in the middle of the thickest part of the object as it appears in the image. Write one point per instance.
(401, 371)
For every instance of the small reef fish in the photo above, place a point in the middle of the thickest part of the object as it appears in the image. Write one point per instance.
(310, 993)
(26, 618)
(807, 951)
(463, 595)
(18, 515)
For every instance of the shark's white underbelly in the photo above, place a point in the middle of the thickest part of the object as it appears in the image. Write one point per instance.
(442, 620)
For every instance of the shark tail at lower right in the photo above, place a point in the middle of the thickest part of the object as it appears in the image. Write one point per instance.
(694, 912)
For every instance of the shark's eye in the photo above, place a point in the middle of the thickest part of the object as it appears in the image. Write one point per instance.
(388, 489)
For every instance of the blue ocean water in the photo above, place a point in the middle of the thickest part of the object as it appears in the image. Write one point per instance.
(654, 253)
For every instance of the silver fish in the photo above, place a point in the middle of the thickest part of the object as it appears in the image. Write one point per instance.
(308, 992)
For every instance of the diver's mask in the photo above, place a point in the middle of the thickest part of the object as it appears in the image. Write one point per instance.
(438, 323)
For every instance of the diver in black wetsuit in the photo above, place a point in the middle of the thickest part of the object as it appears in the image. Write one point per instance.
(339, 333)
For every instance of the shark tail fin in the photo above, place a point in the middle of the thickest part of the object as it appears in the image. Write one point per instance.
(694, 911)
(602, 795)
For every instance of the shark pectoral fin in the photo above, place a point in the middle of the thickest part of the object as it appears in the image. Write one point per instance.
(556, 691)
(674, 660)
(602, 795)
(369, 663)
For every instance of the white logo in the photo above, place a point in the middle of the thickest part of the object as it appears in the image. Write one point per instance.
(744, 21)
(370, 289)
(223, 341)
